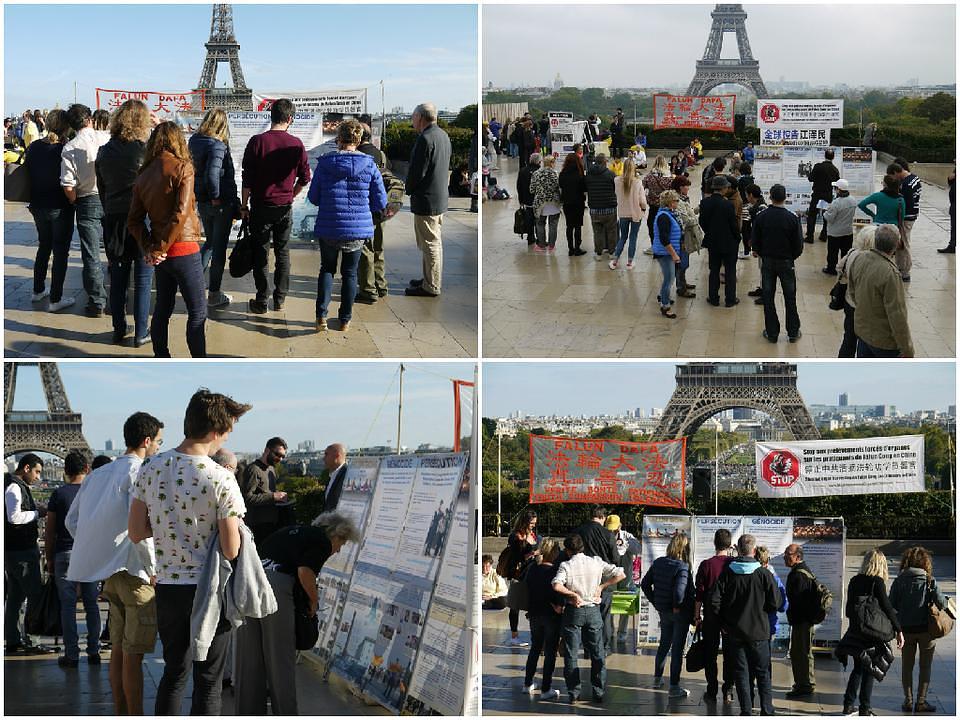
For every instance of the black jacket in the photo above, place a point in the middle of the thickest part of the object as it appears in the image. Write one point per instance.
(23, 536)
(540, 592)
(719, 222)
(861, 585)
(573, 188)
(258, 483)
(800, 588)
(332, 499)
(599, 542)
(743, 599)
(523, 184)
(777, 234)
(116, 167)
(822, 175)
(213, 174)
(601, 189)
(429, 173)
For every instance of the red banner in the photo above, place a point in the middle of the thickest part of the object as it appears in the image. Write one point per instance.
(164, 105)
(711, 112)
(607, 472)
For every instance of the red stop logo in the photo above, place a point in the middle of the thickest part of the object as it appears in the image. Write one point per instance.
(780, 468)
(769, 113)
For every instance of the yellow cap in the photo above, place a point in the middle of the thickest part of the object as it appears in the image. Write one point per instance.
(613, 523)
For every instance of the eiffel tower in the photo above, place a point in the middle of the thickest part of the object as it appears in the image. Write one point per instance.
(224, 48)
(705, 389)
(712, 70)
(56, 431)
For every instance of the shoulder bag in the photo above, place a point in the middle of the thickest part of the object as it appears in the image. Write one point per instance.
(870, 621)
(241, 257)
(939, 623)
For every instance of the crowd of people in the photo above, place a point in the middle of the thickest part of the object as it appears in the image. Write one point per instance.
(183, 544)
(163, 208)
(733, 599)
(735, 220)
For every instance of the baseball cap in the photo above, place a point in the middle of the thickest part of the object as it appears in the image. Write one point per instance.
(613, 523)
(841, 184)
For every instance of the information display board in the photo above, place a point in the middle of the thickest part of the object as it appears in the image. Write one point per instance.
(790, 164)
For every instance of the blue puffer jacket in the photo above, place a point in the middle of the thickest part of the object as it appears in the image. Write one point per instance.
(346, 188)
(667, 585)
(676, 234)
(213, 174)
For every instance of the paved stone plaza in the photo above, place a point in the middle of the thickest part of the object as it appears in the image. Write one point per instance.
(630, 677)
(397, 326)
(556, 306)
(38, 686)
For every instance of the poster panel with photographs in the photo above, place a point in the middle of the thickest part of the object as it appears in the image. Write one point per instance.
(823, 541)
(798, 161)
(656, 534)
(355, 502)
(437, 685)
(394, 576)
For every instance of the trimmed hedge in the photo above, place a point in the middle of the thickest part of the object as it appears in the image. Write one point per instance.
(893, 516)
(399, 138)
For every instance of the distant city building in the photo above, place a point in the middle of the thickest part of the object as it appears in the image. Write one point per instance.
(656, 412)
(844, 400)
(307, 446)
(557, 82)
(108, 446)
(742, 414)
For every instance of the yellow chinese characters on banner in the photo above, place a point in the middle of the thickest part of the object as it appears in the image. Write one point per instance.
(607, 471)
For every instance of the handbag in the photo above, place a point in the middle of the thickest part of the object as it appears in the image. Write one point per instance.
(519, 222)
(696, 653)
(872, 622)
(241, 257)
(838, 296)
(518, 596)
(16, 183)
(43, 617)
(306, 628)
(939, 622)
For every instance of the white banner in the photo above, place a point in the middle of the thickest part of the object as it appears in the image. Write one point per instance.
(795, 136)
(350, 102)
(804, 113)
(815, 468)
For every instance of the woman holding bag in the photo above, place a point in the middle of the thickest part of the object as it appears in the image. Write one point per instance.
(524, 547)
(868, 608)
(910, 595)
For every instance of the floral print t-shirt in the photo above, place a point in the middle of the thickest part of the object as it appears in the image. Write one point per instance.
(185, 496)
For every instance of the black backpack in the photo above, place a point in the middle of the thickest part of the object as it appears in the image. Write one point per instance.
(821, 599)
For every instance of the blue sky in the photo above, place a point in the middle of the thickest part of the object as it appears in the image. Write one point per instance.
(421, 52)
(323, 402)
(591, 389)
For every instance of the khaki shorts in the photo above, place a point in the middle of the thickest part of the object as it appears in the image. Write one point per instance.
(133, 613)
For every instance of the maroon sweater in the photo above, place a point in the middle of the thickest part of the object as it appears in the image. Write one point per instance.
(708, 573)
(272, 163)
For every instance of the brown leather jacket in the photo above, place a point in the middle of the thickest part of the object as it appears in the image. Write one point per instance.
(164, 191)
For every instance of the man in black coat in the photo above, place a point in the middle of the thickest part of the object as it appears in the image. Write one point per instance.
(800, 586)
(428, 180)
(721, 238)
(600, 542)
(258, 483)
(822, 175)
(777, 241)
(335, 462)
(525, 196)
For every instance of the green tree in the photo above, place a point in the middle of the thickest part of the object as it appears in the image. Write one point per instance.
(938, 108)
(467, 117)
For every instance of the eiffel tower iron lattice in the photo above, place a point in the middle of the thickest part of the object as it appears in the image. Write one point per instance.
(712, 70)
(56, 431)
(224, 48)
(705, 389)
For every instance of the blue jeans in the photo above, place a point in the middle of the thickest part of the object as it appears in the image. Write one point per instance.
(583, 623)
(666, 269)
(865, 350)
(54, 232)
(217, 221)
(22, 570)
(544, 637)
(543, 238)
(330, 255)
(142, 284)
(673, 637)
(186, 273)
(752, 658)
(514, 150)
(68, 609)
(771, 270)
(633, 228)
(90, 229)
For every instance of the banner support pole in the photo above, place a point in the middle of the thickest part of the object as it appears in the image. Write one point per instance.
(716, 469)
(400, 409)
(472, 650)
(499, 448)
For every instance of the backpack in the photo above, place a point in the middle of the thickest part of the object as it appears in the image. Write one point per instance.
(507, 566)
(394, 187)
(821, 599)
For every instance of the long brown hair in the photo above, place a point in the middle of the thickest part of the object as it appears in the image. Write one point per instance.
(629, 175)
(167, 136)
(58, 128)
(918, 557)
(572, 160)
(131, 122)
(215, 125)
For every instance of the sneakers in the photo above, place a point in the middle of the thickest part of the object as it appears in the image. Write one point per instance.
(344, 325)
(598, 256)
(530, 689)
(218, 300)
(614, 263)
(517, 642)
(648, 251)
(550, 695)
(141, 341)
(629, 264)
(61, 304)
(37, 297)
(728, 697)
(677, 692)
(321, 324)
(538, 249)
(657, 682)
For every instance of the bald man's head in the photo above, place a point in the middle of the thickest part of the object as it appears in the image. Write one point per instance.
(334, 456)
(226, 459)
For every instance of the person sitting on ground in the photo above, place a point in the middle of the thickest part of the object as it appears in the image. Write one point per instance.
(460, 181)
(545, 612)
(493, 587)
